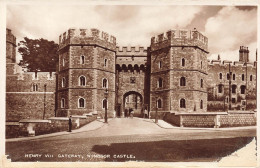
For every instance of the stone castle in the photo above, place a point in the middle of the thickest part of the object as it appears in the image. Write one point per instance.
(171, 75)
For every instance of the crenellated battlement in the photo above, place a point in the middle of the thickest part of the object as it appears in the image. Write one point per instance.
(131, 51)
(232, 63)
(87, 37)
(34, 77)
(10, 37)
(180, 38)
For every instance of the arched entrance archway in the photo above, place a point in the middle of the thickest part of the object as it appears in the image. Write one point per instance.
(132, 101)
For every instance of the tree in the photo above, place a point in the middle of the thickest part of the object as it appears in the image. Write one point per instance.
(38, 54)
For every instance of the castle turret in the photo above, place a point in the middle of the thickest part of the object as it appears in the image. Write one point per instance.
(178, 71)
(86, 69)
(243, 54)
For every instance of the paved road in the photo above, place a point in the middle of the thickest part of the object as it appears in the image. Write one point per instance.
(132, 139)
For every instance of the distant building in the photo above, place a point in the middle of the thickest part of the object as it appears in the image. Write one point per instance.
(173, 74)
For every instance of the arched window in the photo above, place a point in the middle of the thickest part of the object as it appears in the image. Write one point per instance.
(234, 76)
(82, 81)
(251, 77)
(220, 88)
(182, 103)
(243, 77)
(105, 62)
(201, 104)
(62, 105)
(63, 62)
(159, 103)
(81, 103)
(104, 103)
(243, 89)
(63, 82)
(182, 81)
(160, 82)
(201, 83)
(220, 75)
(104, 83)
(183, 62)
(228, 76)
(160, 64)
(82, 59)
(234, 88)
(35, 87)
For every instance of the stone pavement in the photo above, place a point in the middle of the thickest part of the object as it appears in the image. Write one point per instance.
(141, 138)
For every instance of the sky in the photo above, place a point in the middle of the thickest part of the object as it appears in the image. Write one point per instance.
(227, 27)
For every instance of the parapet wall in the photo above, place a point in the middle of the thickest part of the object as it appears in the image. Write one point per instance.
(131, 51)
(182, 38)
(87, 37)
(232, 63)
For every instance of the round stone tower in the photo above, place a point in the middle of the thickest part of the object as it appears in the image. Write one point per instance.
(86, 70)
(179, 71)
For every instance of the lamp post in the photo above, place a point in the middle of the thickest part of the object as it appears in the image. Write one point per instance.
(106, 95)
(156, 107)
(44, 100)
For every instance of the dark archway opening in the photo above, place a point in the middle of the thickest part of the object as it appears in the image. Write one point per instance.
(132, 102)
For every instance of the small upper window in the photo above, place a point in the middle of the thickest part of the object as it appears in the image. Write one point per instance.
(63, 62)
(63, 82)
(234, 88)
(105, 62)
(183, 62)
(82, 80)
(243, 89)
(104, 83)
(201, 83)
(182, 81)
(251, 77)
(234, 76)
(160, 64)
(201, 104)
(104, 103)
(200, 64)
(62, 103)
(243, 77)
(220, 75)
(182, 103)
(160, 82)
(82, 59)
(159, 103)
(35, 87)
(228, 76)
(220, 88)
(81, 103)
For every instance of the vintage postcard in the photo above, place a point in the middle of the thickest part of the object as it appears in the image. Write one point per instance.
(129, 84)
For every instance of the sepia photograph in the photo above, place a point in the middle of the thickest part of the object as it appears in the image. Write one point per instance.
(130, 83)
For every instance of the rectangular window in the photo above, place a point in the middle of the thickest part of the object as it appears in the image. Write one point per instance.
(233, 100)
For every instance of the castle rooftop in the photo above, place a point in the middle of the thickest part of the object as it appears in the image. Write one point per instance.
(182, 38)
(91, 36)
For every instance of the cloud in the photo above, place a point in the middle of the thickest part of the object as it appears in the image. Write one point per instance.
(226, 27)
(231, 28)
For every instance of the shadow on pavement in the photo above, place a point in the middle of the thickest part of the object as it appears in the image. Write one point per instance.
(205, 150)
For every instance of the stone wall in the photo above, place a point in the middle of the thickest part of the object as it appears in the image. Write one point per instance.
(213, 119)
(23, 128)
(234, 120)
